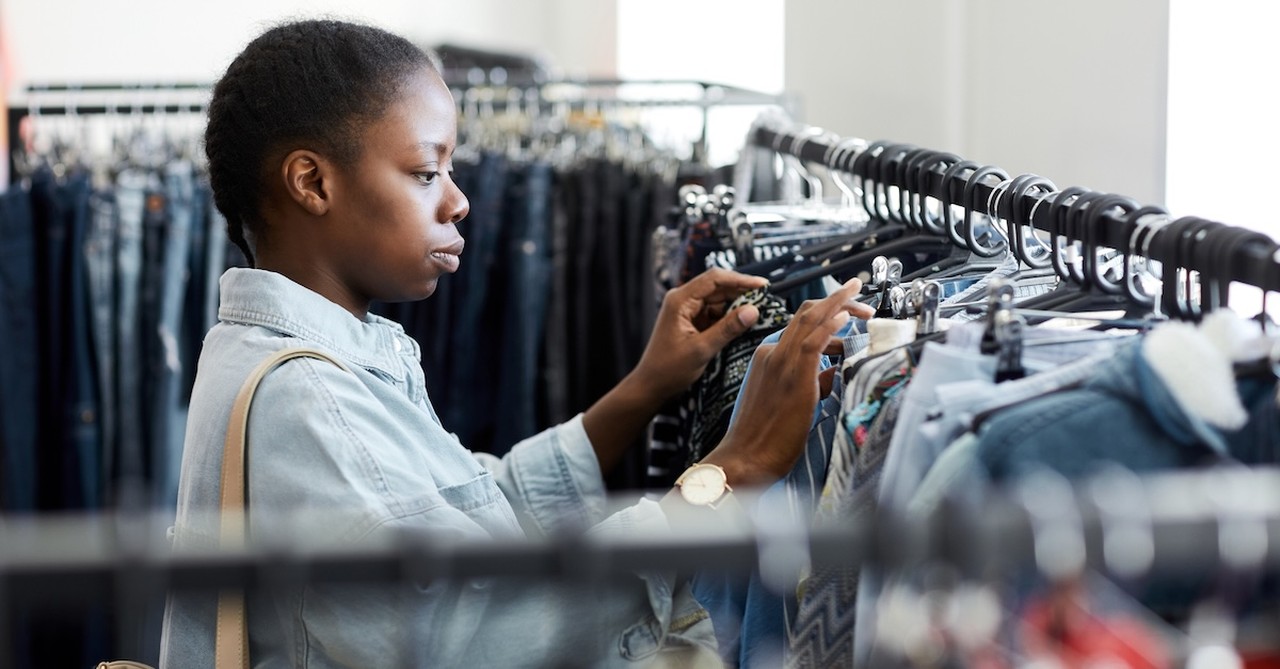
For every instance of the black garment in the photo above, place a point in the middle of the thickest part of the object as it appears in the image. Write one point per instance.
(703, 412)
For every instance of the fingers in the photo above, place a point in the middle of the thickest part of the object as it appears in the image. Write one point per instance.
(721, 285)
(860, 310)
(835, 346)
(826, 379)
(816, 320)
(725, 330)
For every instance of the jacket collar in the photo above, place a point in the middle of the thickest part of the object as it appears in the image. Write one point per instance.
(273, 301)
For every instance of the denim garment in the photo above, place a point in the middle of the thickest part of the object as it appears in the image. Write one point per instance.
(131, 199)
(167, 415)
(528, 267)
(958, 365)
(473, 377)
(151, 351)
(750, 618)
(18, 354)
(67, 465)
(555, 345)
(83, 482)
(194, 302)
(367, 450)
(216, 260)
(100, 267)
(51, 313)
(1125, 414)
(952, 382)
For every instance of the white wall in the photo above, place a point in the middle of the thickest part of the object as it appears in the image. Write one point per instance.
(1073, 91)
(194, 40)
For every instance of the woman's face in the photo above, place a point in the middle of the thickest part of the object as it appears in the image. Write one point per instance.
(397, 213)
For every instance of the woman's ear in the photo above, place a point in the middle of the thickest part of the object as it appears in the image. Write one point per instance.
(307, 180)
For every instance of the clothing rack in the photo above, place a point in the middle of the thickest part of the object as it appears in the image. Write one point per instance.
(1191, 522)
(1254, 259)
(577, 93)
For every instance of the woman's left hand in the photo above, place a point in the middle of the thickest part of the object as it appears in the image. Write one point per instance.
(692, 327)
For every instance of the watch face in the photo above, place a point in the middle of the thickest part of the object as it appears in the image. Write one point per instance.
(702, 485)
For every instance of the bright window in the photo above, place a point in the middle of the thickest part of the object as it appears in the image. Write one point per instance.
(1223, 132)
(732, 42)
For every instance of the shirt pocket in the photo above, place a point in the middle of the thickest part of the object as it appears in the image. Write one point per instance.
(483, 502)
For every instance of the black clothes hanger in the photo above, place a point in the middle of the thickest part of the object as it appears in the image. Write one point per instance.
(1074, 218)
(971, 201)
(1022, 186)
(1179, 296)
(963, 259)
(948, 223)
(939, 161)
(1139, 240)
(1058, 208)
(777, 267)
(885, 169)
(1091, 233)
(846, 266)
(1216, 252)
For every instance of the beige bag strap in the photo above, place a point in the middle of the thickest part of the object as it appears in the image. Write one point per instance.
(232, 639)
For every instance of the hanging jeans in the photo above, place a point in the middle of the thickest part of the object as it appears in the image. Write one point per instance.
(131, 198)
(473, 378)
(167, 415)
(527, 266)
(81, 466)
(18, 358)
(67, 464)
(100, 267)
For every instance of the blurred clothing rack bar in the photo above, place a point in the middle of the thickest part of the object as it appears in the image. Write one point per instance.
(1194, 521)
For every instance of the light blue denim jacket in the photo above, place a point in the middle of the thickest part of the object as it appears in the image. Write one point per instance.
(367, 450)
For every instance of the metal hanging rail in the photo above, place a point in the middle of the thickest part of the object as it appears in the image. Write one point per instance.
(1253, 258)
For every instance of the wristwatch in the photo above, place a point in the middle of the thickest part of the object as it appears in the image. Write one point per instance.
(704, 485)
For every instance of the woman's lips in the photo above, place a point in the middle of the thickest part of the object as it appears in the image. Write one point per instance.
(447, 257)
(449, 261)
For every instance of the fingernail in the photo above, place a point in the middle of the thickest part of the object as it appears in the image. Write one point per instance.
(748, 315)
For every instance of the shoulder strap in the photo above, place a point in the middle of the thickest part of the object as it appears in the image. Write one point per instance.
(232, 637)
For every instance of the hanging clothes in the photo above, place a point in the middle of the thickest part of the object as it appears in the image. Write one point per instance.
(986, 403)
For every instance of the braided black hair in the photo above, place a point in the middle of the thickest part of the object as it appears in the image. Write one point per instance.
(310, 83)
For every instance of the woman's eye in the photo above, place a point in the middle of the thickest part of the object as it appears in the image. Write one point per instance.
(426, 177)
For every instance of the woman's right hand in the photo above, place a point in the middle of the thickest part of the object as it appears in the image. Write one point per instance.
(781, 392)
